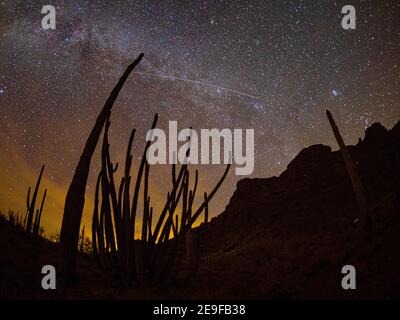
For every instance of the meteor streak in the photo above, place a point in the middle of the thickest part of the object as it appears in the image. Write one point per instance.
(197, 83)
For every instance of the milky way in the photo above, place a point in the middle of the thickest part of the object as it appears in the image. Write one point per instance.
(274, 66)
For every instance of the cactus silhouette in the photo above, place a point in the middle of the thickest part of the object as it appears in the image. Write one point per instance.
(31, 203)
(353, 174)
(156, 257)
(74, 201)
(36, 227)
(33, 216)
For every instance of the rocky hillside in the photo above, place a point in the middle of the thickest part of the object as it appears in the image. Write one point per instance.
(297, 230)
(314, 190)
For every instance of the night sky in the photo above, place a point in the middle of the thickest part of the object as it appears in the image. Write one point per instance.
(271, 66)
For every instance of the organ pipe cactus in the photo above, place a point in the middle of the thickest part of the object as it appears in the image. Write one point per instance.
(74, 201)
(353, 174)
(157, 254)
(33, 215)
(36, 227)
(30, 203)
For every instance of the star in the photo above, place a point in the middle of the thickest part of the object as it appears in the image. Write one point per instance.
(258, 106)
(335, 93)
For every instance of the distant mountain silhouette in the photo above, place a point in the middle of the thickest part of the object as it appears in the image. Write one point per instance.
(313, 189)
(305, 222)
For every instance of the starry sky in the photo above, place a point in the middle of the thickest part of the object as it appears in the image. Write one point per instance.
(271, 66)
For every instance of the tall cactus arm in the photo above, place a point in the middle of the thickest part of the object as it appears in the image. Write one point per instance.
(209, 197)
(31, 210)
(351, 170)
(95, 221)
(75, 199)
(36, 228)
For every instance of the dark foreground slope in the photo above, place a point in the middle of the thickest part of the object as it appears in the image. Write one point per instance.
(284, 237)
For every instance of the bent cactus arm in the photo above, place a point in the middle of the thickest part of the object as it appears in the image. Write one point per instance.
(74, 201)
